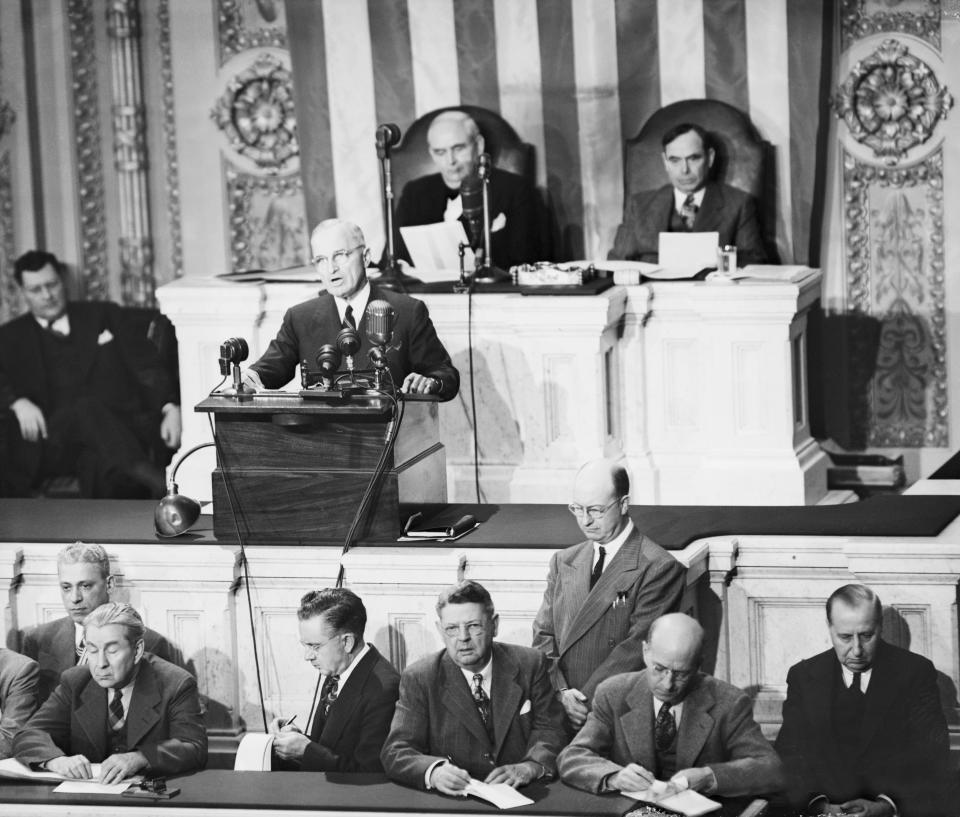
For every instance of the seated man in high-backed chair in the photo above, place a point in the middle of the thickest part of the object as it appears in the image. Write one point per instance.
(691, 202)
(455, 144)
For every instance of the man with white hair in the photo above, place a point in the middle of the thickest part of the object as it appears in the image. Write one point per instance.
(416, 359)
(455, 144)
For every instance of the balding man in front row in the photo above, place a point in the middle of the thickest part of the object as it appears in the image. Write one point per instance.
(671, 722)
(602, 594)
(863, 727)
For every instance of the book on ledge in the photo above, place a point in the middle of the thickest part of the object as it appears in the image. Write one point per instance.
(415, 530)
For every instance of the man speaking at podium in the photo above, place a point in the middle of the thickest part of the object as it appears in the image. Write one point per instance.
(417, 360)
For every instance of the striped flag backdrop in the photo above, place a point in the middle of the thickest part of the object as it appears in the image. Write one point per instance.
(575, 78)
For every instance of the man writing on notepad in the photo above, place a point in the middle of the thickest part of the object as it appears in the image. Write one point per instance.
(691, 203)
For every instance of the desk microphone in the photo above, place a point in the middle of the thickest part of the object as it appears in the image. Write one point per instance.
(380, 320)
(388, 135)
(471, 197)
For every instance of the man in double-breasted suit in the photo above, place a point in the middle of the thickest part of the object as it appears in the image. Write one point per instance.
(863, 726)
(671, 722)
(18, 695)
(356, 697)
(415, 357)
(83, 573)
(602, 594)
(478, 708)
(691, 202)
(80, 393)
(124, 708)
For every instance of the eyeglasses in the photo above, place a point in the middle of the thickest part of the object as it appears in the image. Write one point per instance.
(473, 628)
(338, 258)
(315, 647)
(680, 676)
(593, 511)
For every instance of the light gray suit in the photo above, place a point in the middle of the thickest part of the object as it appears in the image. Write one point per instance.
(588, 635)
(18, 695)
(437, 719)
(716, 730)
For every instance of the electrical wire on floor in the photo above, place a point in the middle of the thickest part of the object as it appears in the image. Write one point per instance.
(473, 397)
(245, 568)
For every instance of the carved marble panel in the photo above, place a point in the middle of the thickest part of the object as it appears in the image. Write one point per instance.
(9, 294)
(861, 18)
(895, 273)
(268, 221)
(246, 24)
(171, 165)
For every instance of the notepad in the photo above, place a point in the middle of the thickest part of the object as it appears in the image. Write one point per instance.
(434, 250)
(688, 251)
(254, 753)
(502, 795)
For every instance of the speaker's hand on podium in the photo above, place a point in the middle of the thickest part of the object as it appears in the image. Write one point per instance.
(252, 379)
(416, 383)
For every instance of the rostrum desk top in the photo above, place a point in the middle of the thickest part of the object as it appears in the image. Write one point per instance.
(303, 793)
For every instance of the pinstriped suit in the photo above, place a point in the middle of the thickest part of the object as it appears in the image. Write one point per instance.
(584, 635)
(436, 717)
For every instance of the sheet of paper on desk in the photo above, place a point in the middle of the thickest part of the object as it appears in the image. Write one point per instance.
(686, 802)
(91, 787)
(434, 250)
(11, 767)
(254, 753)
(692, 251)
(499, 794)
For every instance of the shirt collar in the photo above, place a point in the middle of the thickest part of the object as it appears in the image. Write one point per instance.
(61, 324)
(864, 677)
(676, 709)
(356, 660)
(486, 672)
(358, 301)
(611, 547)
(679, 197)
(77, 634)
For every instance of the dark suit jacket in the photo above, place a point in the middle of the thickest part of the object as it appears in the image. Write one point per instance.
(904, 747)
(436, 717)
(164, 721)
(584, 635)
(306, 327)
(358, 721)
(53, 647)
(18, 695)
(725, 209)
(424, 201)
(716, 729)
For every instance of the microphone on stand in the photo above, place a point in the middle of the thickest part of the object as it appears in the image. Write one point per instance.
(380, 320)
(233, 351)
(328, 361)
(388, 135)
(471, 197)
(348, 342)
(486, 272)
(392, 276)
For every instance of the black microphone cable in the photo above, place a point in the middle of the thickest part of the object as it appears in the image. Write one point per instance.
(245, 567)
(473, 396)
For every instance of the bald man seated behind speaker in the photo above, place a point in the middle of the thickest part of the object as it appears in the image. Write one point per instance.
(416, 359)
(455, 144)
(671, 722)
(692, 202)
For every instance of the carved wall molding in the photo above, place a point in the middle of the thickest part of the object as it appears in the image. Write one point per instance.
(247, 24)
(90, 183)
(861, 18)
(268, 223)
(172, 167)
(895, 273)
(7, 117)
(256, 114)
(9, 294)
(891, 101)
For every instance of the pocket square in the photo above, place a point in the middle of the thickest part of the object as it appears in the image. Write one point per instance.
(498, 223)
(104, 337)
(526, 707)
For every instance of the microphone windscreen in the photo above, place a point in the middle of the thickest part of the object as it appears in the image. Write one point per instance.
(380, 320)
(388, 134)
(328, 359)
(471, 196)
(348, 341)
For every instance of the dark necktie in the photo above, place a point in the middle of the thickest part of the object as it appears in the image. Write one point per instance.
(81, 649)
(348, 319)
(665, 729)
(328, 693)
(482, 700)
(688, 212)
(855, 688)
(116, 710)
(598, 567)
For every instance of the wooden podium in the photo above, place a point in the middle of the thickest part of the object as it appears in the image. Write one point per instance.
(293, 471)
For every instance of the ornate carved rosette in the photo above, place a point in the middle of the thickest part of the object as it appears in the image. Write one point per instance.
(856, 22)
(895, 273)
(238, 34)
(256, 113)
(172, 168)
(891, 101)
(90, 186)
(268, 227)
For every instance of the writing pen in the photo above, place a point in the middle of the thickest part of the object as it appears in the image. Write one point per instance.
(284, 723)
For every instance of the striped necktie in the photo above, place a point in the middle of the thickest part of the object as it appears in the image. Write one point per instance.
(688, 212)
(116, 710)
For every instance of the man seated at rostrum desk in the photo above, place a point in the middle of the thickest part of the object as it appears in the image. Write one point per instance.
(479, 709)
(671, 722)
(863, 726)
(18, 696)
(86, 395)
(357, 695)
(691, 202)
(416, 359)
(85, 581)
(125, 709)
(455, 144)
